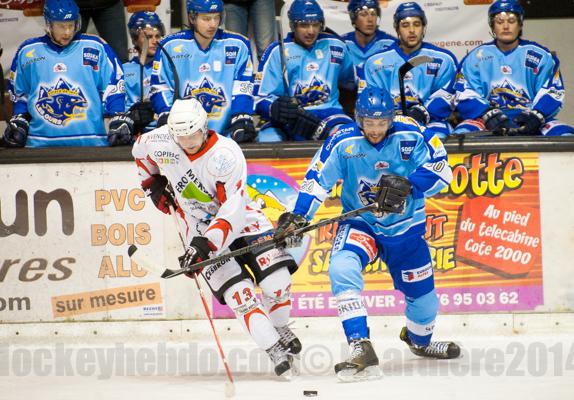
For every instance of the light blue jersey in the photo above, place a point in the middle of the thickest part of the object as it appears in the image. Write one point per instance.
(527, 77)
(431, 84)
(133, 81)
(359, 54)
(408, 150)
(313, 74)
(67, 90)
(220, 77)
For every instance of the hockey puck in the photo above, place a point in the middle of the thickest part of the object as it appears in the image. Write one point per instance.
(310, 393)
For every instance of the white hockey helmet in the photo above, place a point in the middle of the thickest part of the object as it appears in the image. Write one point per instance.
(186, 117)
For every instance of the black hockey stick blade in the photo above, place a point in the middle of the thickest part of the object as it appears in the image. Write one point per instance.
(413, 62)
(268, 244)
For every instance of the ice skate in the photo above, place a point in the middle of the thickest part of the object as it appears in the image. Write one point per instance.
(289, 339)
(439, 350)
(362, 363)
(282, 359)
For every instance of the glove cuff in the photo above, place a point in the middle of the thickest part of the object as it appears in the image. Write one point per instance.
(538, 115)
(240, 117)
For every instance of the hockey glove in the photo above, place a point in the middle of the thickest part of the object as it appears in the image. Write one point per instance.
(309, 126)
(121, 130)
(392, 195)
(142, 114)
(419, 113)
(241, 128)
(156, 188)
(287, 223)
(16, 132)
(284, 110)
(529, 122)
(197, 251)
(162, 118)
(497, 122)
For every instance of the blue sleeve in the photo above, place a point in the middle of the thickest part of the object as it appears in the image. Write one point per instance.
(471, 100)
(347, 76)
(18, 85)
(550, 88)
(439, 103)
(112, 85)
(161, 82)
(269, 81)
(242, 93)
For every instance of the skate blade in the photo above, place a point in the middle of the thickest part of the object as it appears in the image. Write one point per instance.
(286, 376)
(296, 367)
(368, 374)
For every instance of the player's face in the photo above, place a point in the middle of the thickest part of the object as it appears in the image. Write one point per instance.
(366, 21)
(375, 129)
(306, 33)
(206, 25)
(191, 143)
(153, 36)
(63, 32)
(506, 27)
(411, 32)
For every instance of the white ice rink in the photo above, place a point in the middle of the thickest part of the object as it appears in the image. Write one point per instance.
(504, 357)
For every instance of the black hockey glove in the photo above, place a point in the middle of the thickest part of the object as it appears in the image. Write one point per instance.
(16, 132)
(529, 122)
(392, 195)
(155, 187)
(121, 130)
(284, 110)
(309, 126)
(142, 114)
(419, 113)
(197, 251)
(497, 122)
(287, 223)
(241, 128)
(162, 118)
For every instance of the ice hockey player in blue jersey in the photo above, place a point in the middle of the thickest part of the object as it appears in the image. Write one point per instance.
(394, 163)
(62, 85)
(297, 92)
(367, 39)
(510, 86)
(214, 67)
(429, 88)
(143, 25)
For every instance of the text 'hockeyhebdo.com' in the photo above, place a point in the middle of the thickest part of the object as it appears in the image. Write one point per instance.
(169, 359)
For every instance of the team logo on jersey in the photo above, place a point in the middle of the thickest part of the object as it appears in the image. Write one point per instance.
(231, 53)
(61, 103)
(60, 67)
(368, 192)
(336, 54)
(313, 93)
(91, 57)
(406, 148)
(506, 95)
(212, 98)
(434, 66)
(533, 60)
(505, 69)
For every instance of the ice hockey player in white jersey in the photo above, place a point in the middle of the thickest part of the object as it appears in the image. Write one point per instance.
(143, 26)
(395, 163)
(62, 86)
(510, 85)
(208, 174)
(214, 67)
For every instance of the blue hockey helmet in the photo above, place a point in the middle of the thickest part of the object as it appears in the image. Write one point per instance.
(508, 6)
(357, 5)
(374, 102)
(409, 9)
(204, 6)
(61, 10)
(305, 11)
(145, 19)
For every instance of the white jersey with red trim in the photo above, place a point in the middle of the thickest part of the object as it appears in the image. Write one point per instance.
(209, 186)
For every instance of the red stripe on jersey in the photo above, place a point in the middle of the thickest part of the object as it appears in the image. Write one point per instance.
(220, 192)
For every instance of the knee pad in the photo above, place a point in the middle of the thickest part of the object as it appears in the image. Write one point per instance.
(345, 272)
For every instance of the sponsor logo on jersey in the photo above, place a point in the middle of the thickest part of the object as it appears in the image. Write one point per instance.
(438, 147)
(60, 67)
(505, 69)
(205, 67)
(61, 103)
(379, 165)
(319, 54)
(211, 97)
(336, 54)
(231, 53)
(33, 60)
(191, 188)
(417, 274)
(155, 65)
(312, 67)
(367, 191)
(533, 60)
(313, 93)
(363, 241)
(91, 57)
(434, 66)
(406, 148)
(178, 49)
(166, 157)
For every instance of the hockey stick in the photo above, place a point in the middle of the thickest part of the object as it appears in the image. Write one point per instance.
(174, 70)
(403, 70)
(267, 244)
(282, 55)
(142, 60)
(2, 90)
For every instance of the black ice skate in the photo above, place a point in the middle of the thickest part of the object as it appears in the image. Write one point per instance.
(282, 359)
(289, 339)
(362, 363)
(439, 350)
